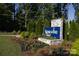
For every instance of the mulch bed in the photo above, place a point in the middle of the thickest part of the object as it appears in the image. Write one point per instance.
(33, 47)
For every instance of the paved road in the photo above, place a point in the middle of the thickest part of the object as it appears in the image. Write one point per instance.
(11, 35)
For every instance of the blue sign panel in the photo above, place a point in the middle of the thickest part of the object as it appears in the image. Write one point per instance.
(53, 32)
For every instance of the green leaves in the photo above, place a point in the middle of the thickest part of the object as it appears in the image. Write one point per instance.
(24, 35)
(75, 47)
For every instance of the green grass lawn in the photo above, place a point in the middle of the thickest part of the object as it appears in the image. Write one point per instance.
(8, 47)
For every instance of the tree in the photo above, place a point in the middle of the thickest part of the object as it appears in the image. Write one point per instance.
(20, 17)
(6, 22)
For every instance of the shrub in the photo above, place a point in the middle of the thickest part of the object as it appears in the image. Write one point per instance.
(24, 35)
(18, 32)
(75, 47)
(32, 35)
(14, 32)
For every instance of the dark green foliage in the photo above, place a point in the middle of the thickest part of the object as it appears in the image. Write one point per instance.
(28, 17)
(39, 27)
(31, 26)
(74, 30)
(6, 17)
(20, 18)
